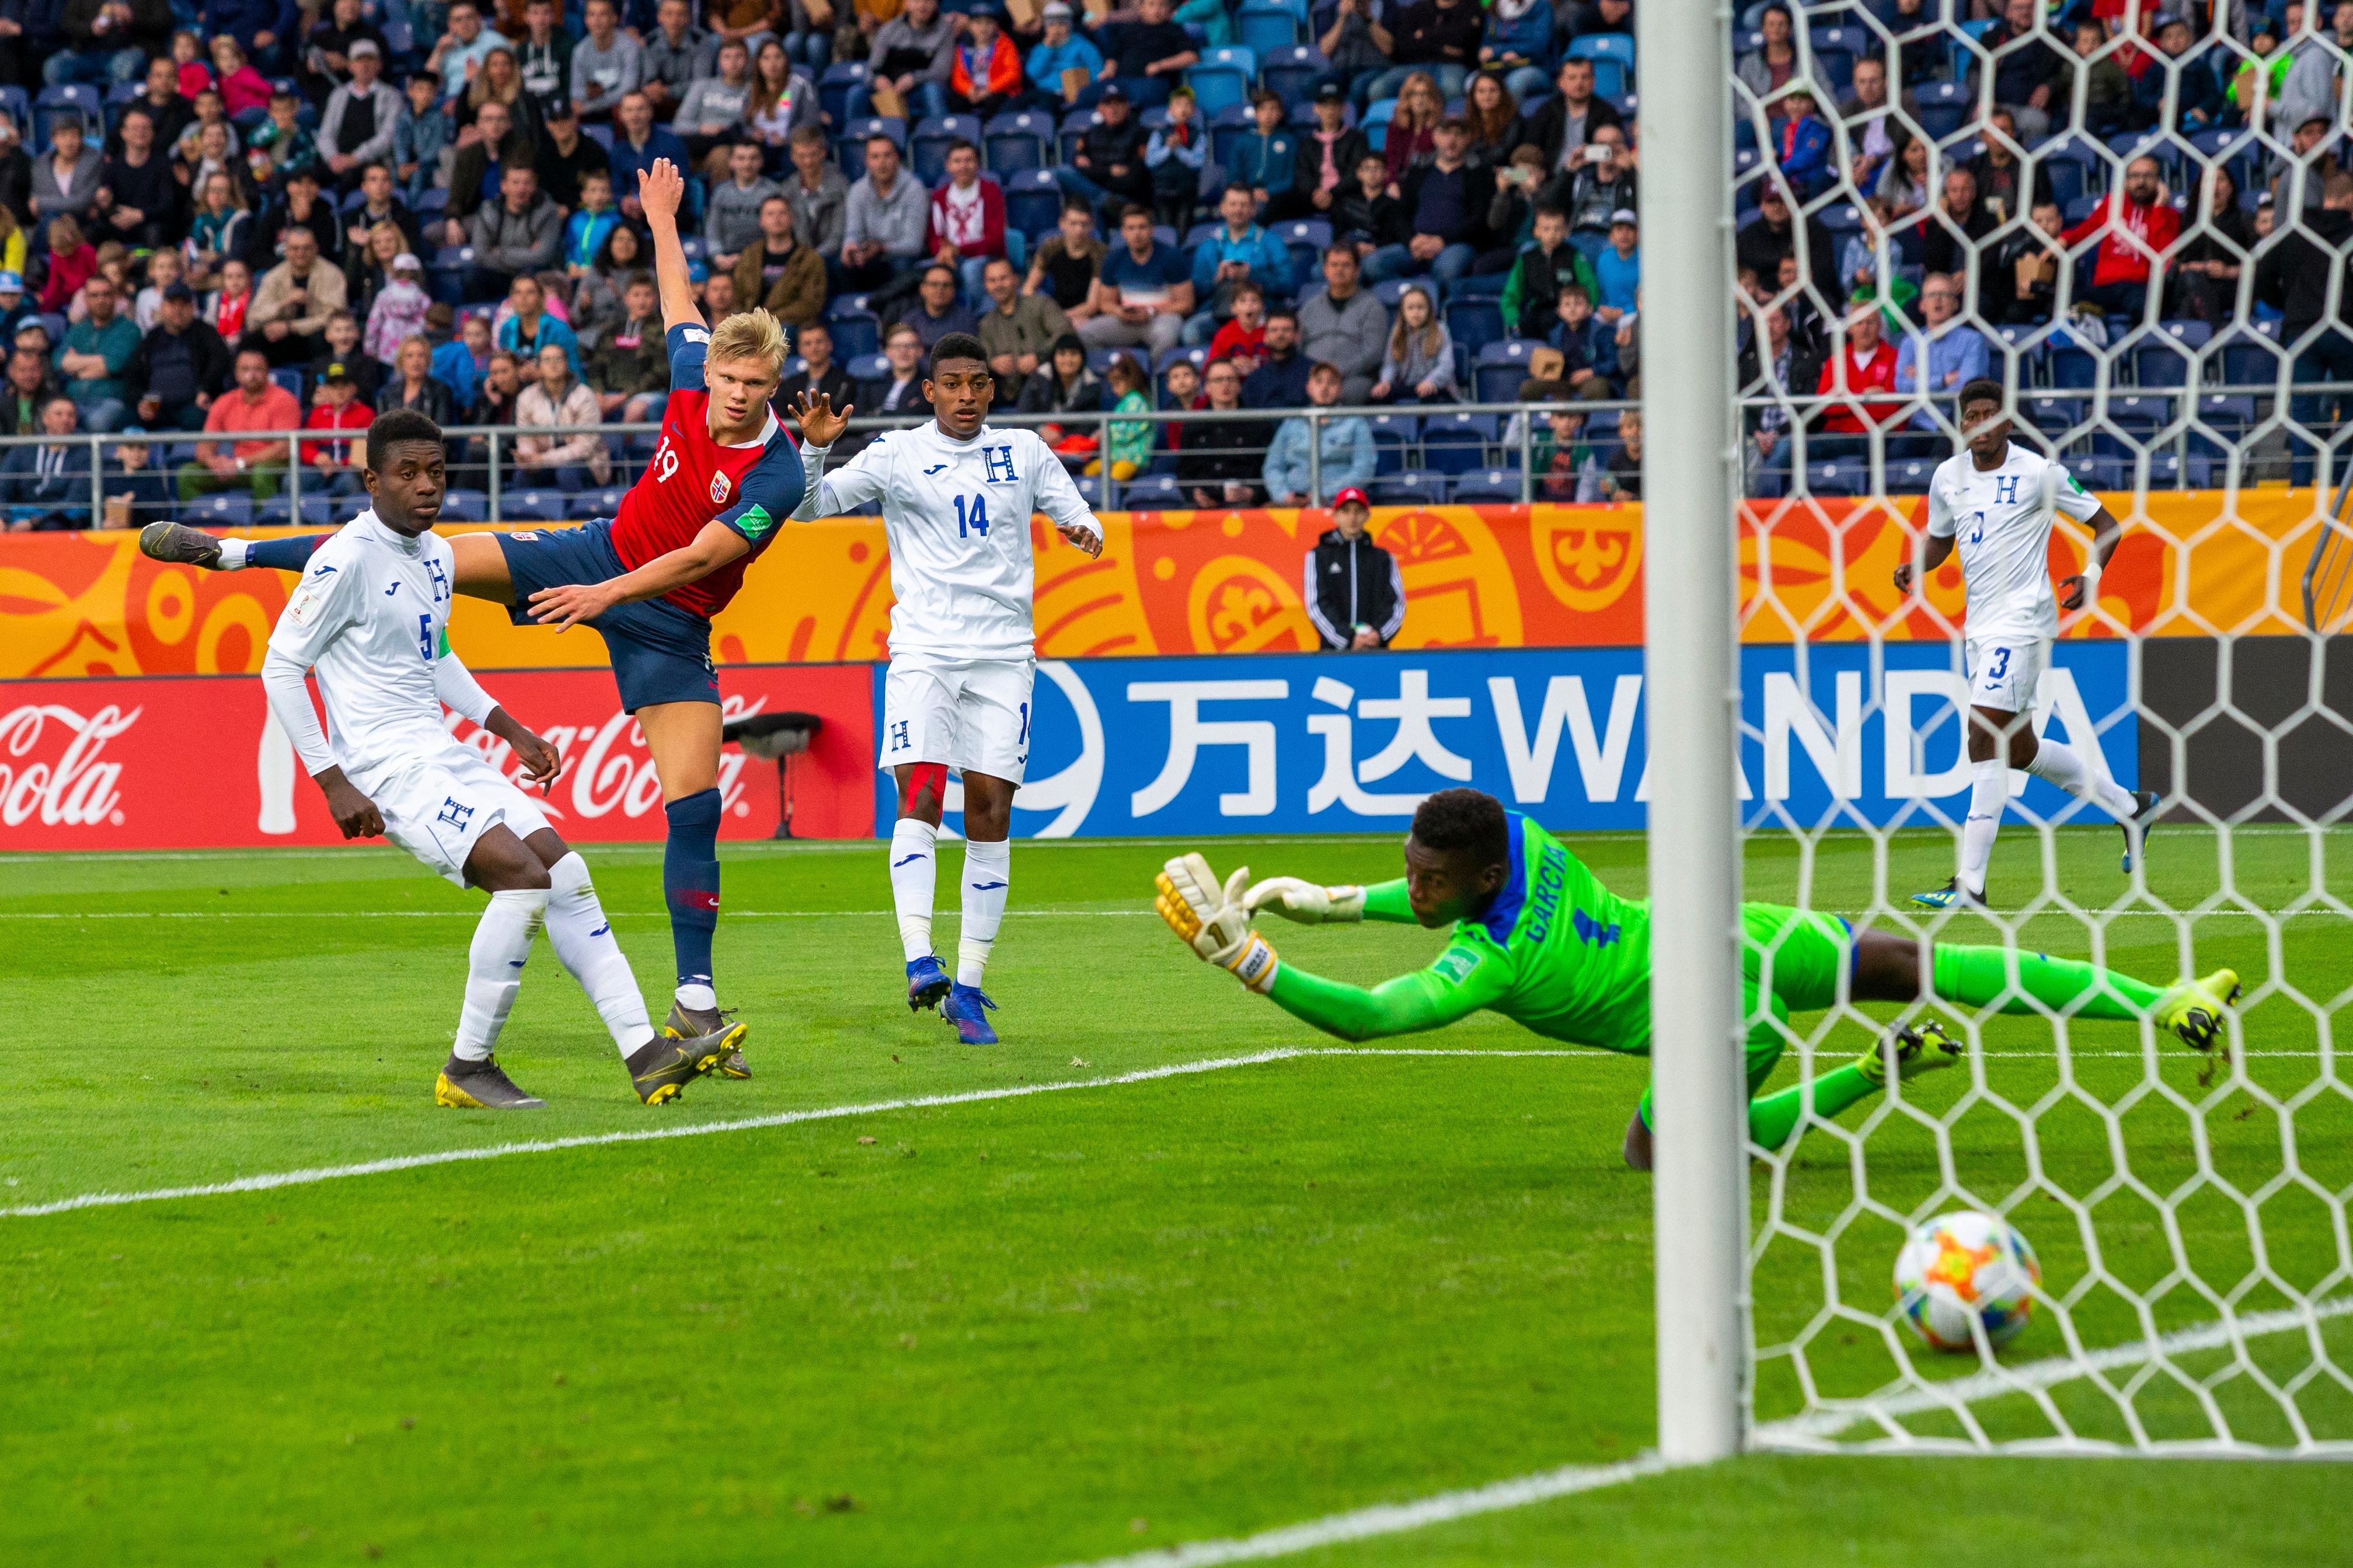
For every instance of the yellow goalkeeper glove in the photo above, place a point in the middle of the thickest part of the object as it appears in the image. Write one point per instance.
(1309, 903)
(1212, 921)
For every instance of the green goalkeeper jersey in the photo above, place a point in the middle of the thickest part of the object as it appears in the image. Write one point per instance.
(1556, 951)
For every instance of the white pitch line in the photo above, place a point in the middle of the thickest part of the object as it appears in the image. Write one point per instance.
(273, 1180)
(1811, 1432)
(1806, 1433)
(2099, 915)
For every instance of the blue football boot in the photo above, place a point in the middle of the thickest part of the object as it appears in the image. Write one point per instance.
(927, 983)
(2145, 805)
(1948, 896)
(968, 1010)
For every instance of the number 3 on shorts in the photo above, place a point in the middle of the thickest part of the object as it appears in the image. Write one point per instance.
(2000, 665)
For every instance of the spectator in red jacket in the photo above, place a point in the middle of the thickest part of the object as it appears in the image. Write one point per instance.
(1865, 361)
(967, 221)
(2137, 226)
(984, 73)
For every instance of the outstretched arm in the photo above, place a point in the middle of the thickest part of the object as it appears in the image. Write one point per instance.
(574, 603)
(659, 190)
(1310, 903)
(1460, 983)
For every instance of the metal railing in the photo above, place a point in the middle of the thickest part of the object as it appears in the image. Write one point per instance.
(1516, 448)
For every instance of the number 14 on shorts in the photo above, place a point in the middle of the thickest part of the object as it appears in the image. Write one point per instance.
(972, 516)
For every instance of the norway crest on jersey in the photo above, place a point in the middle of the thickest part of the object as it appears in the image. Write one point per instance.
(719, 488)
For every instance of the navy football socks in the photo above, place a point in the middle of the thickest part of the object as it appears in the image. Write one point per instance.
(286, 555)
(691, 883)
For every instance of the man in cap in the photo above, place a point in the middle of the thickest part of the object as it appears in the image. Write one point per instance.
(1050, 63)
(1354, 592)
(336, 465)
(357, 126)
(181, 366)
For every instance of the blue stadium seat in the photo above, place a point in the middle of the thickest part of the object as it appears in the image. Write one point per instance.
(1409, 487)
(2172, 471)
(292, 380)
(927, 151)
(1227, 129)
(278, 512)
(1292, 73)
(1033, 202)
(228, 511)
(1944, 106)
(1603, 46)
(2250, 357)
(1013, 142)
(608, 502)
(866, 367)
(1488, 486)
(2074, 367)
(2095, 473)
(1501, 369)
(1223, 77)
(19, 110)
(75, 98)
(1389, 291)
(856, 334)
(1837, 476)
(1393, 435)
(534, 506)
(1911, 476)
(833, 88)
(2054, 415)
(1152, 492)
(1448, 448)
(466, 506)
(1474, 323)
(1478, 286)
(1265, 27)
(2221, 422)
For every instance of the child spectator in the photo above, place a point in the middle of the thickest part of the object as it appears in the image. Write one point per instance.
(1131, 439)
(164, 268)
(585, 233)
(425, 128)
(226, 307)
(398, 313)
(1365, 214)
(73, 261)
(188, 62)
(336, 407)
(1419, 364)
(1804, 146)
(291, 148)
(1243, 337)
(1174, 154)
(243, 89)
(1588, 351)
(984, 73)
(1267, 159)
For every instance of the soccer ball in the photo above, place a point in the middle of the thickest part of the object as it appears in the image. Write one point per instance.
(1961, 1266)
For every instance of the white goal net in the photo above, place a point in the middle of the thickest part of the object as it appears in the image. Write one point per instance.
(2134, 222)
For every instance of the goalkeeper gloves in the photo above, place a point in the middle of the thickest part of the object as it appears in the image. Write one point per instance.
(1212, 921)
(1305, 901)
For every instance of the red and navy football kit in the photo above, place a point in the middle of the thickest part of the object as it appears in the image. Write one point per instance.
(660, 648)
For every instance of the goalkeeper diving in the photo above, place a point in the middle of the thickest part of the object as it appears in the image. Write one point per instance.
(1537, 939)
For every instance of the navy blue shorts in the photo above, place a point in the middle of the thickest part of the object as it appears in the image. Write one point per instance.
(659, 652)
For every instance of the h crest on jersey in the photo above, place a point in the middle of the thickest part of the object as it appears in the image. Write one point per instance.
(719, 488)
(1000, 465)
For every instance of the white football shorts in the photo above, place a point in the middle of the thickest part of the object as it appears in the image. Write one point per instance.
(972, 714)
(2006, 672)
(437, 807)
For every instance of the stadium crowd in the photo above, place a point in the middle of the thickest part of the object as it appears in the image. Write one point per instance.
(252, 215)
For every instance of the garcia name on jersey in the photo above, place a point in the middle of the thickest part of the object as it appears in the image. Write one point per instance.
(693, 481)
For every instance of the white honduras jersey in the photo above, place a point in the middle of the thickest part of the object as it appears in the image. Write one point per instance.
(957, 517)
(369, 619)
(2001, 520)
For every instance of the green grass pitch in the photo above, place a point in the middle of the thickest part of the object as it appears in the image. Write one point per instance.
(1075, 1324)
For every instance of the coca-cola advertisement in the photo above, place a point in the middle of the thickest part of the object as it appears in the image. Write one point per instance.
(198, 762)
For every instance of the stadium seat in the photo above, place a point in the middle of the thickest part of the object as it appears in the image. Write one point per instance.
(1013, 142)
(278, 512)
(866, 367)
(1393, 435)
(466, 506)
(1448, 448)
(1033, 201)
(833, 89)
(2220, 421)
(608, 502)
(2073, 367)
(1836, 477)
(2053, 416)
(1266, 28)
(535, 506)
(2172, 471)
(927, 149)
(2095, 473)
(1292, 73)
(856, 333)
(228, 511)
(2137, 411)
(292, 380)
(1389, 291)
(19, 110)
(75, 99)
(1943, 107)
(1409, 487)
(1603, 46)
(1501, 369)
(1150, 492)
(2252, 360)
(1219, 84)
(1488, 486)
(1474, 323)
(1911, 476)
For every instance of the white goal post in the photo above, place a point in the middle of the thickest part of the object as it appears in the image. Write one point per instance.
(2195, 1229)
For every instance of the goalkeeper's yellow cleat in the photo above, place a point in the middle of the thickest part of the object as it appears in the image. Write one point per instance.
(1923, 1047)
(2193, 1010)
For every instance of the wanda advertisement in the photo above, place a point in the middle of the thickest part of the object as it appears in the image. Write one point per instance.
(197, 761)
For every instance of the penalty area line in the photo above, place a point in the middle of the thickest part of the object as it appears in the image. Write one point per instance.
(1807, 1434)
(270, 1181)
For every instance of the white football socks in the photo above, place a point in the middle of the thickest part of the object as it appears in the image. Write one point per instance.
(2069, 771)
(584, 943)
(1989, 796)
(494, 967)
(914, 865)
(232, 556)
(988, 868)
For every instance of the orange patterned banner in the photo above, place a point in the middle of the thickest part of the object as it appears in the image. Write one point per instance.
(1229, 582)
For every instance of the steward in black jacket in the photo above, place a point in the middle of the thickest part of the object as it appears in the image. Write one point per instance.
(1352, 582)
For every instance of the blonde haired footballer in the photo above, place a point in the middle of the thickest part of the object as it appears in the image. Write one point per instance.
(1995, 502)
(956, 495)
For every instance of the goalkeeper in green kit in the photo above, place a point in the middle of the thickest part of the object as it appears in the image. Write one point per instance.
(1538, 940)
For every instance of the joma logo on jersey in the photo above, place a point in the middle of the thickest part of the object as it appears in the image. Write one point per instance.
(1000, 463)
(455, 815)
(2005, 491)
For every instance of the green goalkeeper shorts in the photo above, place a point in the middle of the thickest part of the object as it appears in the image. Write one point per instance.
(1791, 962)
